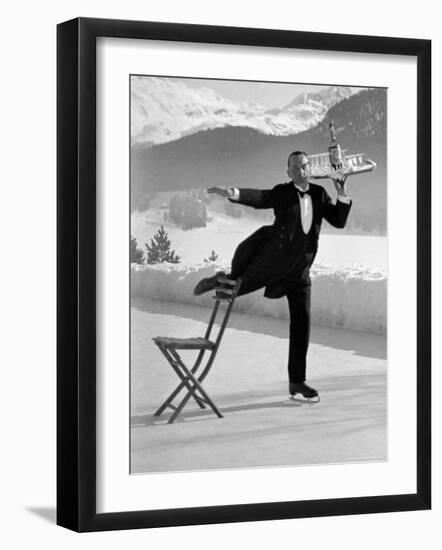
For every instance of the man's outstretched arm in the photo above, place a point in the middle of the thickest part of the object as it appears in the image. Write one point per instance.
(256, 198)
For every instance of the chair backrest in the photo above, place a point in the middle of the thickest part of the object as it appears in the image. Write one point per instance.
(225, 292)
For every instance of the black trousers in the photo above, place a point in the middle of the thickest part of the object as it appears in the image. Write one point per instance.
(299, 300)
(254, 272)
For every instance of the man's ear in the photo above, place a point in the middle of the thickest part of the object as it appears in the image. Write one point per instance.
(288, 173)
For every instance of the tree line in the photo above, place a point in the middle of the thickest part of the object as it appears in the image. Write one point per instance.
(159, 251)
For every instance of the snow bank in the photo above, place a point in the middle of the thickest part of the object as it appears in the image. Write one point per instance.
(352, 298)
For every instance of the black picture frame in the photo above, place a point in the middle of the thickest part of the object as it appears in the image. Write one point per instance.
(77, 287)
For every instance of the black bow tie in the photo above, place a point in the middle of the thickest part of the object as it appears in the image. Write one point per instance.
(302, 193)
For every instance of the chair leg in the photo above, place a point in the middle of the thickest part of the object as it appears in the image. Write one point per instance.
(172, 396)
(189, 381)
(186, 399)
(194, 386)
(179, 388)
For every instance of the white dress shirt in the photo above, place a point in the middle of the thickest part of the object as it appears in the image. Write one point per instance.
(306, 207)
(305, 204)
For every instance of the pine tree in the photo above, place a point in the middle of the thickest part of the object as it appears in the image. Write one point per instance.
(159, 249)
(136, 254)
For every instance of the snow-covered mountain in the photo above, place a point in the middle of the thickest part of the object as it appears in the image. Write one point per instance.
(328, 96)
(243, 157)
(163, 110)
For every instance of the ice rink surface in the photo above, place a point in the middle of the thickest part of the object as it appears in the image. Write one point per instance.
(261, 426)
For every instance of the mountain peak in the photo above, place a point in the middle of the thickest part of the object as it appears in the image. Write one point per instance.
(166, 109)
(328, 97)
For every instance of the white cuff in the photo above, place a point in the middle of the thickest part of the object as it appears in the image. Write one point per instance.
(347, 200)
(235, 196)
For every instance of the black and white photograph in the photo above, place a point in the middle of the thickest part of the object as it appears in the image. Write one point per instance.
(220, 296)
(258, 274)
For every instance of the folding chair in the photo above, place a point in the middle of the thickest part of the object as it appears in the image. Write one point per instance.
(191, 378)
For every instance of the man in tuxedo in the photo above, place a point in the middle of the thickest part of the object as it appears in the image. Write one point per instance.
(279, 256)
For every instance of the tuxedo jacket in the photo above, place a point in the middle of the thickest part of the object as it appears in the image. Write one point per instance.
(282, 252)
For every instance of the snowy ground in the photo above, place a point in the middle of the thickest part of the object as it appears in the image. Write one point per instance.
(261, 426)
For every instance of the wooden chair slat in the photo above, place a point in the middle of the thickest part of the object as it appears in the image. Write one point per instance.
(184, 343)
(222, 298)
(225, 290)
(225, 281)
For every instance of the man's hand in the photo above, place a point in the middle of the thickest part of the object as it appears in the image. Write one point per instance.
(221, 191)
(341, 185)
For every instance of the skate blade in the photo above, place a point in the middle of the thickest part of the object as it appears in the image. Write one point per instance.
(301, 399)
